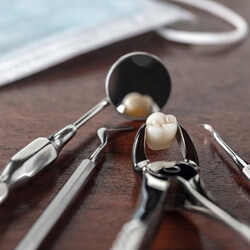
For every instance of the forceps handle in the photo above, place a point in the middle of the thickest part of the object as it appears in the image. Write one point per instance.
(57, 206)
(131, 235)
(135, 234)
(210, 208)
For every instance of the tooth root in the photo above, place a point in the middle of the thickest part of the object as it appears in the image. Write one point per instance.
(137, 105)
(160, 131)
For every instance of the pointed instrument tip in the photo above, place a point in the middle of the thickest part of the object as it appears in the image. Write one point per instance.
(3, 192)
(207, 127)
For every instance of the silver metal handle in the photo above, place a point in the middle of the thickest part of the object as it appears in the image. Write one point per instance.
(37, 155)
(137, 232)
(57, 206)
(32, 159)
(28, 162)
(92, 112)
(131, 235)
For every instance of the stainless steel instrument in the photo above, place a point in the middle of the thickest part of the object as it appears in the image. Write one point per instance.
(135, 72)
(66, 195)
(244, 166)
(169, 185)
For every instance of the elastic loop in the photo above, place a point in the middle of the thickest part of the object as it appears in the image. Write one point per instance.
(209, 38)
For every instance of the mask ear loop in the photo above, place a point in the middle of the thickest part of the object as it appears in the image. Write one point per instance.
(209, 38)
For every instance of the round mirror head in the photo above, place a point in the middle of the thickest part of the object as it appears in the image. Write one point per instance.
(137, 85)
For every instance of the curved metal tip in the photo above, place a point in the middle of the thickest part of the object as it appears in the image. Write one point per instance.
(101, 132)
(241, 163)
(208, 127)
(3, 192)
(211, 130)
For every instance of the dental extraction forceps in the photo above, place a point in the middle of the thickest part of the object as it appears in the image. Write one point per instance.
(47, 220)
(172, 186)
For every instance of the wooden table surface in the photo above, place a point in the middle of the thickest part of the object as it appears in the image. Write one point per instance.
(210, 85)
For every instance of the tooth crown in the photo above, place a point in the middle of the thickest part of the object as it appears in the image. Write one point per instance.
(137, 105)
(160, 131)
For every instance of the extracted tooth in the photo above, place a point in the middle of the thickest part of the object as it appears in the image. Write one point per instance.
(160, 131)
(137, 105)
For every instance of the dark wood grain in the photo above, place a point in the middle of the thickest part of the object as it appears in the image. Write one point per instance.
(209, 85)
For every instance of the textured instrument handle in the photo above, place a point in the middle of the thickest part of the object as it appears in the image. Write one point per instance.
(131, 236)
(136, 233)
(32, 159)
(57, 206)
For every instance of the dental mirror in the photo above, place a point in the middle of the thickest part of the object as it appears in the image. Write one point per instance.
(136, 85)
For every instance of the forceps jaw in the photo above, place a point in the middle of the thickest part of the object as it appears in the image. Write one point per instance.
(185, 188)
(187, 147)
(139, 157)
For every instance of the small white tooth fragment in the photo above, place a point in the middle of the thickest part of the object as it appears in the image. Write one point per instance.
(137, 105)
(158, 165)
(160, 131)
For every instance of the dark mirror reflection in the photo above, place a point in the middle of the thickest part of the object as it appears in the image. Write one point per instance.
(138, 84)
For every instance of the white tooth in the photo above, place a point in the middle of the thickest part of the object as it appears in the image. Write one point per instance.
(137, 105)
(160, 131)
